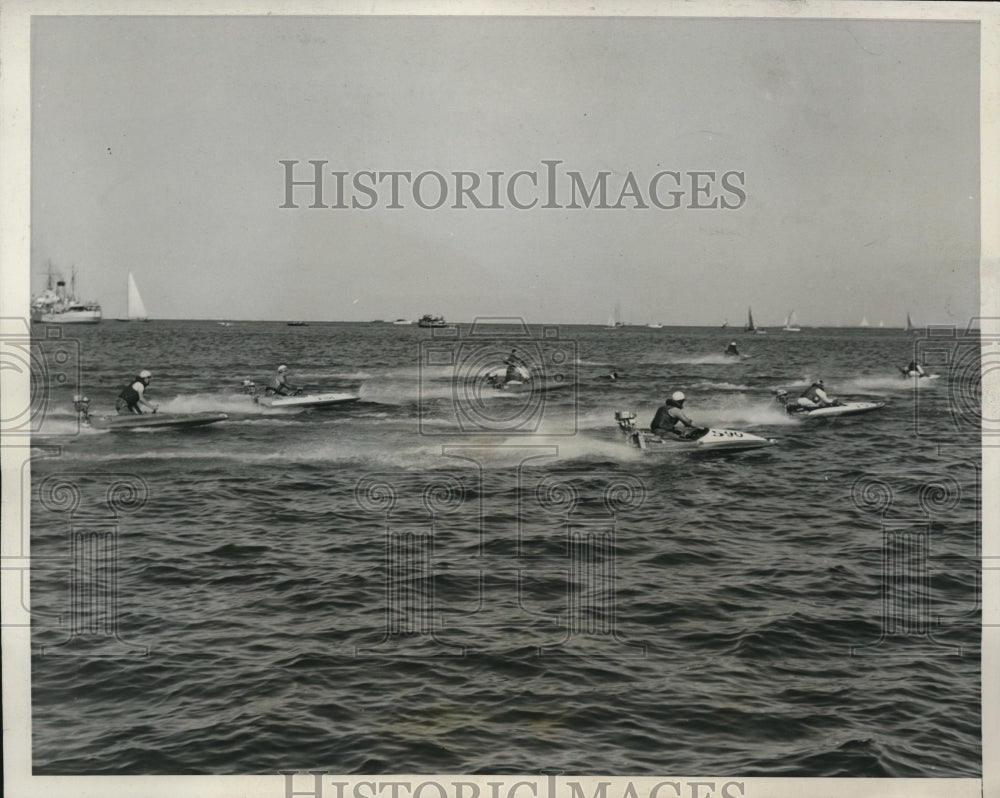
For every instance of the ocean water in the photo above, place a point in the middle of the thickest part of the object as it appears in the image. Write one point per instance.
(434, 580)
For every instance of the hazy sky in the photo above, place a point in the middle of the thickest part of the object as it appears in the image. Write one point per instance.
(156, 145)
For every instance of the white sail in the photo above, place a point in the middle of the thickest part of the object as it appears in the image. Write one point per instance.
(864, 322)
(136, 309)
(790, 323)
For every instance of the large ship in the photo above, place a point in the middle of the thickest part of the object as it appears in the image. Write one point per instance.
(432, 321)
(57, 305)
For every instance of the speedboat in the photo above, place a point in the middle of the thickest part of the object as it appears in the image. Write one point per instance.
(710, 439)
(296, 400)
(133, 421)
(837, 409)
(520, 380)
(909, 373)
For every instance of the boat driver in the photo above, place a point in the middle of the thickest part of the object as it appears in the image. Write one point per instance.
(915, 370)
(514, 364)
(815, 396)
(280, 385)
(670, 415)
(131, 395)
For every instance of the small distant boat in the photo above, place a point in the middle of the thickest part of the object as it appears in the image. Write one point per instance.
(136, 307)
(909, 324)
(298, 324)
(863, 322)
(428, 320)
(655, 325)
(403, 321)
(224, 323)
(881, 324)
(59, 306)
(790, 323)
(725, 324)
(750, 326)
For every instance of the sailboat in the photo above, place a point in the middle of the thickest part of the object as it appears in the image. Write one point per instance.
(790, 322)
(909, 324)
(615, 320)
(751, 327)
(863, 322)
(136, 307)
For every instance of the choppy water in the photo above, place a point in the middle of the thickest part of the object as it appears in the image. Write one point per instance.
(383, 588)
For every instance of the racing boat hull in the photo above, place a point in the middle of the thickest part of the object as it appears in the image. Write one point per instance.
(306, 400)
(713, 439)
(846, 409)
(527, 386)
(155, 420)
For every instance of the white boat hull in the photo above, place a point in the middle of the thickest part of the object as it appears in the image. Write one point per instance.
(306, 400)
(72, 317)
(713, 439)
(846, 409)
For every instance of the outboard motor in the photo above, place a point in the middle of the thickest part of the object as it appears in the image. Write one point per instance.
(249, 387)
(626, 420)
(626, 423)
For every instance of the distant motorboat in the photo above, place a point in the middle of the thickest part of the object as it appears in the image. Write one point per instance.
(428, 320)
(655, 325)
(297, 323)
(403, 321)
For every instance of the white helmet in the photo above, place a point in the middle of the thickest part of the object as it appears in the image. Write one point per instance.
(145, 374)
(282, 369)
(677, 396)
